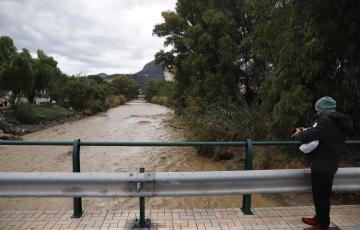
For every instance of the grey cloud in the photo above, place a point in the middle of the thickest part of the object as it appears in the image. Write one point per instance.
(87, 35)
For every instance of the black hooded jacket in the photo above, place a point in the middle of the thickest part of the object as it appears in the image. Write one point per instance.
(332, 130)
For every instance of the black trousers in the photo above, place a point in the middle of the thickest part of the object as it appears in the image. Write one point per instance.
(321, 190)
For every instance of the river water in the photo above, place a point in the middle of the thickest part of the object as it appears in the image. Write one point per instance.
(134, 121)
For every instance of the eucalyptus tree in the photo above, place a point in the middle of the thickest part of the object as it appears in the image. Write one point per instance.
(312, 49)
(206, 52)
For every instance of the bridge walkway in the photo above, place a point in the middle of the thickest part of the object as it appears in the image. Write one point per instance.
(345, 217)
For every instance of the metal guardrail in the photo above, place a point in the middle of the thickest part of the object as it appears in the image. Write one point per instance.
(248, 165)
(167, 184)
(159, 143)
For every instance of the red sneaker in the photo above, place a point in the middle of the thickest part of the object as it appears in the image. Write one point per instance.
(310, 221)
(316, 228)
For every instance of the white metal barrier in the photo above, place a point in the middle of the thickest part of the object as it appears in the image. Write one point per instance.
(160, 184)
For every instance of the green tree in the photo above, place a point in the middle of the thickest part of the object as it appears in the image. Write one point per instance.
(150, 89)
(207, 53)
(126, 86)
(81, 91)
(17, 76)
(45, 69)
(311, 49)
(25, 76)
(87, 95)
(96, 78)
(159, 88)
(57, 87)
(7, 50)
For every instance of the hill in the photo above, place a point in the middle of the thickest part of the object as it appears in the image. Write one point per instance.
(102, 75)
(150, 71)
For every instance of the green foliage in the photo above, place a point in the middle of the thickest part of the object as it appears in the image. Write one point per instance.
(56, 88)
(23, 75)
(31, 114)
(125, 86)
(150, 89)
(91, 94)
(7, 49)
(207, 53)
(3, 92)
(45, 71)
(159, 91)
(313, 49)
(210, 63)
(284, 54)
(16, 76)
(25, 113)
(113, 101)
(224, 122)
(84, 93)
(27, 77)
(161, 100)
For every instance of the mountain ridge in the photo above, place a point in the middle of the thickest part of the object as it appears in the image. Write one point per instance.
(150, 71)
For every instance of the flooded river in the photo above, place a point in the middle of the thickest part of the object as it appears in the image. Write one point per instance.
(135, 121)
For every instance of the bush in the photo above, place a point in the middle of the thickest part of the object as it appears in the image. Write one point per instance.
(161, 100)
(85, 93)
(113, 101)
(95, 106)
(125, 85)
(159, 91)
(25, 113)
(224, 121)
(30, 114)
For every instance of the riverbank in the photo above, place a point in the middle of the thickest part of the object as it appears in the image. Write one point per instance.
(27, 118)
(11, 128)
(21, 129)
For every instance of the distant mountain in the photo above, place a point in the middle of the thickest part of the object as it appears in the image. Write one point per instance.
(105, 76)
(150, 71)
(102, 75)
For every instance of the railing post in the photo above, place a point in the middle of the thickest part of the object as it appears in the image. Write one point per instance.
(246, 205)
(142, 222)
(78, 211)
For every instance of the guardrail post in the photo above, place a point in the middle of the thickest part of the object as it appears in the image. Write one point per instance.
(78, 211)
(142, 222)
(246, 205)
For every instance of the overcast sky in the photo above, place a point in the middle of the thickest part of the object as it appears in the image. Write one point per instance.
(87, 36)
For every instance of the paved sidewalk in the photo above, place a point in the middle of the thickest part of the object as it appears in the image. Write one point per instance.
(342, 217)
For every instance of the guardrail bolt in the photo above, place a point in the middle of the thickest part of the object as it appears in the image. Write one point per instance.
(142, 222)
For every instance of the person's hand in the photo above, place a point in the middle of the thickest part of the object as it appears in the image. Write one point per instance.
(297, 132)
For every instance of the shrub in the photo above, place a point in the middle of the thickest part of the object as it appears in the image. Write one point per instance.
(159, 91)
(125, 85)
(95, 106)
(224, 121)
(25, 113)
(30, 114)
(161, 100)
(113, 101)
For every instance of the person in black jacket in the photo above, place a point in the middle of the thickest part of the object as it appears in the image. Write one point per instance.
(332, 130)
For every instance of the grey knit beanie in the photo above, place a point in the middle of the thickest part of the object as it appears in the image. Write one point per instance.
(325, 105)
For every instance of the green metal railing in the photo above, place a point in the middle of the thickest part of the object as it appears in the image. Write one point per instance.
(248, 144)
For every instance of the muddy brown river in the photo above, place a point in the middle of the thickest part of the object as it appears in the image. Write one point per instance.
(134, 121)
